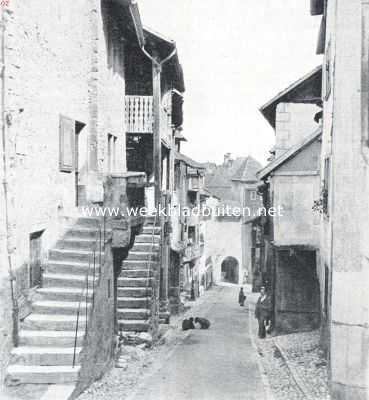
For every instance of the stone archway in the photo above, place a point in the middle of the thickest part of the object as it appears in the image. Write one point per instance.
(230, 270)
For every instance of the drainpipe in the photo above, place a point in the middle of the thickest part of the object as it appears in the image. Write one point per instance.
(164, 246)
(9, 230)
(157, 68)
(162, 62)
(147, 54)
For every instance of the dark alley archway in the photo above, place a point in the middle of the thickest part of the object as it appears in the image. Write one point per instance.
(230, 270)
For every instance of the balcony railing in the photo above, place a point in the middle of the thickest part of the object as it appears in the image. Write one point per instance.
(139, 114)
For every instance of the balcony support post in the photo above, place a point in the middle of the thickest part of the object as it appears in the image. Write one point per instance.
(156, 68)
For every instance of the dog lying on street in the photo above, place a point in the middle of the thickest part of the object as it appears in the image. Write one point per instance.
(188, 324)
(203, 322)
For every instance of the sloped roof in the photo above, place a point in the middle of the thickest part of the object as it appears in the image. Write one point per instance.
(189, 161)
(292, 152)
(219, 182)
(307, 89)
(167, 48)
(247, 171)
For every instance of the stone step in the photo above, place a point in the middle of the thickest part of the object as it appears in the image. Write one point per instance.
(78, 244)
(44, 322)
(67, 280)
(133, 314)
(21, 374)
(151, 219)
(30, 355)
(164, 317)
(77, 268)
(143, 238)
(145, 247)
(61, 307)
(75, 255)
(134, 282)
(89, 222)
(131, 325)
(80, 232)
(137, 273)
(138, 292)
(143, 255)
(63, 294)
(50, 338)
(139, 264)
(149, 230)
(133, 302)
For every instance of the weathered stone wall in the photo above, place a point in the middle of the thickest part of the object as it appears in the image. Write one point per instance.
(294, 122)
(246, 250)
(100, 341)
(345, 231)
(298, 224)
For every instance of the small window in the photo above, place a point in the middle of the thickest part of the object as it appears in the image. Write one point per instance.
(253, 195)
(109, 288)
(326, 292)
(66, 143)
(328, 72)
(112, 148)
(192, 234)
(325, 190)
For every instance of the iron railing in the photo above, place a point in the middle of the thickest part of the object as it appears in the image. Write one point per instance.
(148, 281)
(99, 244)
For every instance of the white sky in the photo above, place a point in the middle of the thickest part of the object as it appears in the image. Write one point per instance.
(236, 55)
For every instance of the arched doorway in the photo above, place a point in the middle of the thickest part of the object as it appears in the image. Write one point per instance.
(230, 270)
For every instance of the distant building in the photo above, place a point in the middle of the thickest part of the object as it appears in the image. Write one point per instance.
(233, 186)
(188, 259)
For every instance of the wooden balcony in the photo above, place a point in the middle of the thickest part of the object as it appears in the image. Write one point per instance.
(139, 117)
(139, 114)
(192, 252)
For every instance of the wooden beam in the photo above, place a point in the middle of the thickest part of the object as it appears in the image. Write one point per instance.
(322, 37)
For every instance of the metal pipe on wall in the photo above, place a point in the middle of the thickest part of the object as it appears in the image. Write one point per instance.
(9, 233)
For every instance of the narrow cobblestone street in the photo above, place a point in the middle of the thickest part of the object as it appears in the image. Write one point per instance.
(219, 363)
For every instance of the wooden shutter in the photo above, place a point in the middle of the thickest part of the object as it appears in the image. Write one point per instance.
(316, 7)
(66, 144)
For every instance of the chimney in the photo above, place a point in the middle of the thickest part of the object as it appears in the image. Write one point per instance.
(294, 122)
(227, 160)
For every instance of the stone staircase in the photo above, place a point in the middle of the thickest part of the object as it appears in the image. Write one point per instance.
(135, 283)
(47, 336)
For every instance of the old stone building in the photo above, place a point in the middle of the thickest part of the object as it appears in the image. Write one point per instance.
(63, 88)
(291, 184)
(77, 101)
(343, 39)
(188, 235)
(232, 185)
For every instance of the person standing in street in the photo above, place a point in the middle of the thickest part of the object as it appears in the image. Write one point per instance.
(241, 298)
(263, 311)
